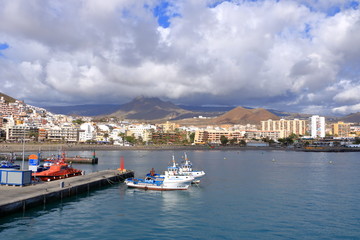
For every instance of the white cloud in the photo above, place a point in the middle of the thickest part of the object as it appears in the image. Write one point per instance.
(289, 54)
(349, 95)
(347, 109)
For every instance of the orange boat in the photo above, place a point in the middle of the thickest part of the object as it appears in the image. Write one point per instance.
(58, 170)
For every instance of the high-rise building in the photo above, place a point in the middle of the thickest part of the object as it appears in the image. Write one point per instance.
(317, 126)
(286, 127)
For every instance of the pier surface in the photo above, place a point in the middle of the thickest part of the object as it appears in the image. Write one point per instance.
(16, 198)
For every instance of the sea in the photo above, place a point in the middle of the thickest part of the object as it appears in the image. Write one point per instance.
(248, 194)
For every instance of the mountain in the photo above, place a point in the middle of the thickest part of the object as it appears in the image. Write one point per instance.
(143, 108)
(242, 115)
(353, 117)
(151, 109)
(140, 108)
(7, 98)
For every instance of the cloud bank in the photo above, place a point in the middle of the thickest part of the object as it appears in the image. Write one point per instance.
(288, 55)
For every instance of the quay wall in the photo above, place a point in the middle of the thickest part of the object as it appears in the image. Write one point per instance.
(19, 199)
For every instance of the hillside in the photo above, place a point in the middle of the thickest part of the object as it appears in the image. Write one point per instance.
(242, 115)
(354, 117)
(142, 108)
(238, 115)
(7, 98)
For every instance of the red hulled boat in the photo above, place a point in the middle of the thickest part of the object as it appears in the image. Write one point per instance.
(58, 170)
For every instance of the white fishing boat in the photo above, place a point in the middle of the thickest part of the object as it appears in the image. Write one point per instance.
(165, 182)
(186, 168)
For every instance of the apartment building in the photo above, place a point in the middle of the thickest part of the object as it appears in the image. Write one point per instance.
(285, 127)
(169, 126)
(341, 129)
(64, 133)
(317, 126)
(144, 131)
(213, 136)
(21, 133)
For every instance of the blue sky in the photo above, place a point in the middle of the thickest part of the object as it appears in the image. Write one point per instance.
(290, 55)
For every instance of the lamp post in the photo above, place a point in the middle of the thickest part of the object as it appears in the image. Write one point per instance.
(23, 154)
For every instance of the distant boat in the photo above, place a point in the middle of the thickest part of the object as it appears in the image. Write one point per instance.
(164, 182)
(9, 164)
(58, 170)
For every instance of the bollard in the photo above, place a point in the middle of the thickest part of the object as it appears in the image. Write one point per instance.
(62, 184)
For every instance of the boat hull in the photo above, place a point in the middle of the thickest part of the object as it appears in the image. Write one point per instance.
(160, 183)
(55, 177)
(197, 175)
(148, 186)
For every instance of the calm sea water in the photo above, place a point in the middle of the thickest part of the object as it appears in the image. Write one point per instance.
(245, 195)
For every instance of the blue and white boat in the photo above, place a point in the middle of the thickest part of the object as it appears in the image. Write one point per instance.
(9, 164)
(186, 168)
(165, 182)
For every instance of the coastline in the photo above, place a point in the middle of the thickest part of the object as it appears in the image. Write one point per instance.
(35, 147)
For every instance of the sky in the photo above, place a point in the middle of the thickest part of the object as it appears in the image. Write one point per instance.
(289, 55)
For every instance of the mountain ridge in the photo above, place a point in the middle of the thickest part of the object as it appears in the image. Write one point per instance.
(154, 109)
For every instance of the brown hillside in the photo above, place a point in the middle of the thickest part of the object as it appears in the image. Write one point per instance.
(354, 117)
(7, 98)
(242, 115)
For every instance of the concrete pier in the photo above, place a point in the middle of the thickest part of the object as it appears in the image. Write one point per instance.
(15, 198)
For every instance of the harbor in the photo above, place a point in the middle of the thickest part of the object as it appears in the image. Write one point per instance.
(261, 195)
(15, 198)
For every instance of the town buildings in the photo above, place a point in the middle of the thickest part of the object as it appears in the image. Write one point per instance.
(21, 122)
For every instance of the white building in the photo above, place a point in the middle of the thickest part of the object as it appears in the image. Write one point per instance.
(66, 133)
(317, 126)
(87, 132)
(143, 130)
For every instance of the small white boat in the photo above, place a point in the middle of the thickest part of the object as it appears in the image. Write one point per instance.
(186, 169)
(158, 182)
